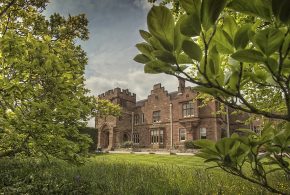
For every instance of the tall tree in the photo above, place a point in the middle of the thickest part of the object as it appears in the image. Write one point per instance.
(238, 52)
(43, 101)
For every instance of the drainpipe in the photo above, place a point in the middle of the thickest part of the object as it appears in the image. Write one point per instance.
(171, 126)
(132, 126)
(228, 121)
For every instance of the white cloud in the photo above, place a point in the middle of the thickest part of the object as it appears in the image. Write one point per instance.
(143, 4)
(135, 80)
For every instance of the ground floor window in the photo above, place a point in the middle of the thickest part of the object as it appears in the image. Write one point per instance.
(136, 138)
(182, 134)
(203, 133)
(156, 136)
(125, 137)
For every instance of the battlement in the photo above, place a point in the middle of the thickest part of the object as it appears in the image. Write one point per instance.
(118, 92)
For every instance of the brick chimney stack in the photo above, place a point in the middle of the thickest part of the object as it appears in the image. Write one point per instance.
(181, 85)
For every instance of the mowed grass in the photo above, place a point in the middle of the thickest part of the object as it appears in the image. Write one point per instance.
(126, 174)
(154, 159)
(170, 174)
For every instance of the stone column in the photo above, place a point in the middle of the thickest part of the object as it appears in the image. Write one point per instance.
(99, 138)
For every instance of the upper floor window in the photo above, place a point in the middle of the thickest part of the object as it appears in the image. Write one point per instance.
(202, 133)
(136, 119)
(182, 134)
(142, 118)
(156, 116)
(136, 139)
(187, 109)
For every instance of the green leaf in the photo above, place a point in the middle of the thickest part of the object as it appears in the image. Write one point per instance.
(214, 61)
(157, 66)
(191, 6)
(223, 42)
(141, 58)
(164, 56)
(247, 131)
(233, 80)
(160, 23)
(286, 44)
(226, 146)
(192, 50)
(184, 59)
(190, 25)
(248, 55)
(281, 9)
(260, 8)
(241, 38)
(145, 49)
(230, 26)
(145, 35)
(178, 37)
(155, 43)
(269, 40)
(211, 91)
(204, 143)
(210, 11)
(273, 64)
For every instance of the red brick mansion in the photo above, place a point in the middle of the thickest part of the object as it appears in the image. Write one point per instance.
(163, 120)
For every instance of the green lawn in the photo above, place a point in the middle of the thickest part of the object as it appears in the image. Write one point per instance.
(153, 159)
(125, 174)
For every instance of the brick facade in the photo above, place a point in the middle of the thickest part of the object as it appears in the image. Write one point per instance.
(180, 118)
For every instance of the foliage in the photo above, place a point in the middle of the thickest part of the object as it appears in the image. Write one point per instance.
(238, 52)
(127, 144)
(107, 108)
(18, 176)
(43, 99)
(189, 144)
(237, 155)
(210, 50)
(42, 95)
(93, 134)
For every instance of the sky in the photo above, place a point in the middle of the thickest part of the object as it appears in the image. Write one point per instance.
(114, 31)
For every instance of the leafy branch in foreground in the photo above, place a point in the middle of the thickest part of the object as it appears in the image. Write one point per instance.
(241, 155)
(226, 59)
(238, 52)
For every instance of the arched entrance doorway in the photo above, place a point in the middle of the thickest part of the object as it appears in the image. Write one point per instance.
(104, 137)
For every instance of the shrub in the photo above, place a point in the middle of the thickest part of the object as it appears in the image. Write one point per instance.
(127, 144)
(33, 176)
(93, 134)
(189, 144)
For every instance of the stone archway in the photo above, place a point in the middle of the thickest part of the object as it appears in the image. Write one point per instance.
(105, 137)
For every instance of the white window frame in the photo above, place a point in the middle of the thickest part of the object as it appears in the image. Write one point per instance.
(186, 107)
(156, 121)
(136, 138)
(202, 133)
(156, 136)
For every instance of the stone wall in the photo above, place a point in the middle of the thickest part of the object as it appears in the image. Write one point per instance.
(120, 128)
